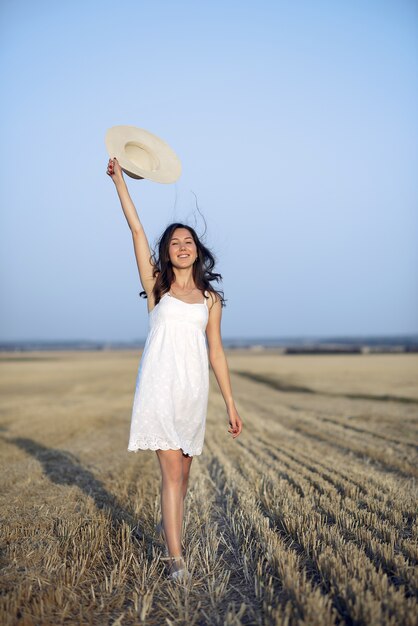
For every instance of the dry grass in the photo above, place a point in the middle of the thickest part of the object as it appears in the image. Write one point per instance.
(308, 518)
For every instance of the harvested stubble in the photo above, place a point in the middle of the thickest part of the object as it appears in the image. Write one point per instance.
(307, 518)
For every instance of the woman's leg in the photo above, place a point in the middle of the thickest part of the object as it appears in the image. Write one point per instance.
(187, 462)
(171, 463)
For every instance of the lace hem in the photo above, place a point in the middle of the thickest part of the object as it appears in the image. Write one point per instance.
(156, 443)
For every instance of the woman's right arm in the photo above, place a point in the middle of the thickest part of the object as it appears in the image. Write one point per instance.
(140, 241)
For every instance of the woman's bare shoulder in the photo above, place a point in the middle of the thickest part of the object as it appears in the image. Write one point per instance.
(213, 298)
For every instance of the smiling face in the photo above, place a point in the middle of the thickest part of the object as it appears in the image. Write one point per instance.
(182, 248)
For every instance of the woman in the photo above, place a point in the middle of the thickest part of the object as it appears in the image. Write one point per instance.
(170, 403)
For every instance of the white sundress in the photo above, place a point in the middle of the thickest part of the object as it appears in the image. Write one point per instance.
(172, 385)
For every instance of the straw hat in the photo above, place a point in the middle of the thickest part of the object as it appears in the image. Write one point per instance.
(142, 154)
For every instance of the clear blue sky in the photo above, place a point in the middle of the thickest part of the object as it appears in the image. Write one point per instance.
(296, 123)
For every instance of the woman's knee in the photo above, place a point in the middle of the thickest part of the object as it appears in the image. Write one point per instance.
(171, 466)
(173, 475)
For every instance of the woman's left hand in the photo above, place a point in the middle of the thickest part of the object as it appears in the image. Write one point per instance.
(235, 422)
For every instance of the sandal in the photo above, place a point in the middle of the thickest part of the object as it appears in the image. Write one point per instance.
(181, 574)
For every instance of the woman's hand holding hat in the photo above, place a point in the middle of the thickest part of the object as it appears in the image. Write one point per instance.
(114, 170)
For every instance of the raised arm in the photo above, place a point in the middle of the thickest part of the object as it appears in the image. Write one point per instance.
(140, 241)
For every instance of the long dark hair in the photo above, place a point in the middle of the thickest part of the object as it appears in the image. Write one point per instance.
(202, 267)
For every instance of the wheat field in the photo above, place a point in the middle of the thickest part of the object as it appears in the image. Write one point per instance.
(307, 518)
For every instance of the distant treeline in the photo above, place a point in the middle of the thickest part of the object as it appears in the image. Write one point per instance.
(294, 345)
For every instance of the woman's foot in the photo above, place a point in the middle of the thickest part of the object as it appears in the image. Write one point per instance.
(178, 570)
(181, 575)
